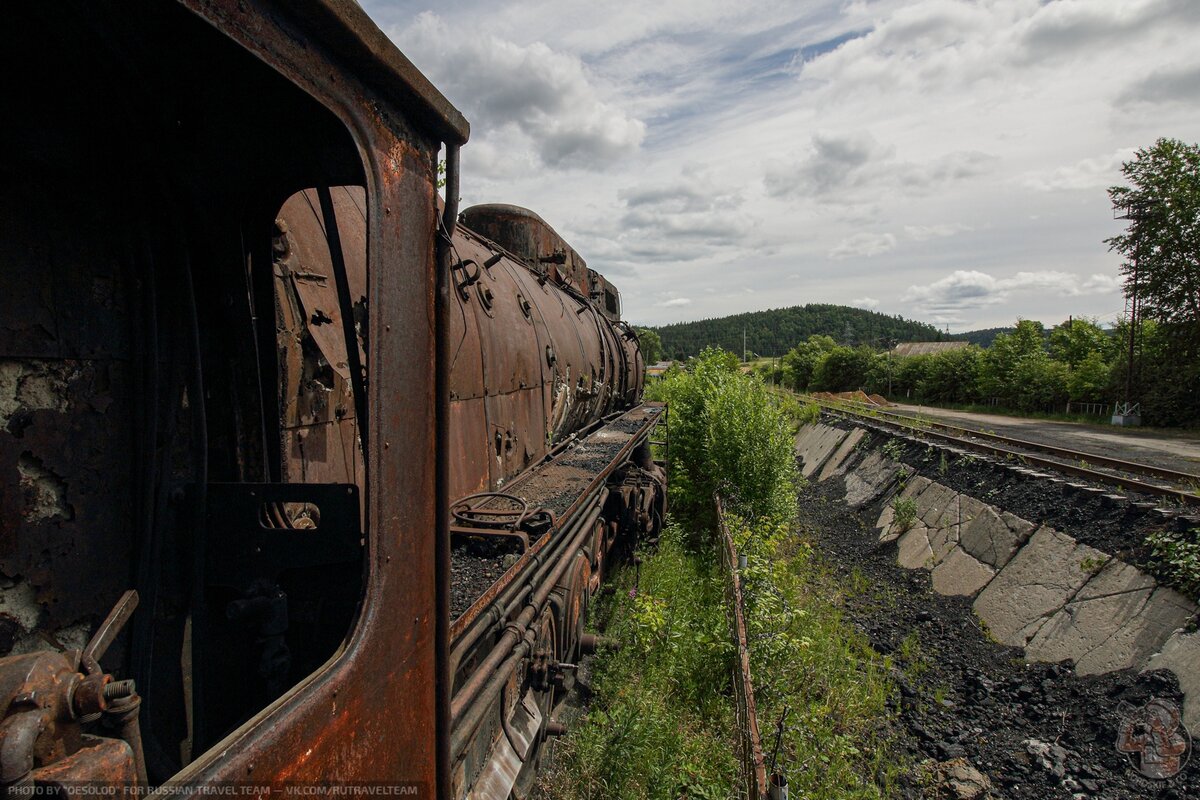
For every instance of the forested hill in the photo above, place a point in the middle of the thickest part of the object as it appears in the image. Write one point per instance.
(774, 332)
(982, 337)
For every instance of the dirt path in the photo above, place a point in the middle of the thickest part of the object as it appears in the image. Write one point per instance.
(1169, 449)
(1036, 730)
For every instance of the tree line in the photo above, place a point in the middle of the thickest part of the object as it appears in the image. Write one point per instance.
(1027, 369)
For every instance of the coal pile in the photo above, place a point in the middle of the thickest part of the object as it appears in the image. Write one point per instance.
(1036, 731)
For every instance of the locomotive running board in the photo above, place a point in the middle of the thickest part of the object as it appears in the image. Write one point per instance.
(562, 485)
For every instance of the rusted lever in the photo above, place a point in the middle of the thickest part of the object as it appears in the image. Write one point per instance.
(108, 631)
(469, 278)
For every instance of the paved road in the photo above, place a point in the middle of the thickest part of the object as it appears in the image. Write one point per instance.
(1178, 451)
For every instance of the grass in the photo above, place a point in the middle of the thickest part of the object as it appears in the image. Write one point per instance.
(660, 724)
(904, 510)
(807, 657)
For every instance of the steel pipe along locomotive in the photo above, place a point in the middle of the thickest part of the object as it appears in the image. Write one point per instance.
(305, 477)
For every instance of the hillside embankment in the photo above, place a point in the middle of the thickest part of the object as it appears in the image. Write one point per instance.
(1034, 639)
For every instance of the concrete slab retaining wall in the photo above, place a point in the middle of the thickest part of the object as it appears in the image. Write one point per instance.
(1033, 587)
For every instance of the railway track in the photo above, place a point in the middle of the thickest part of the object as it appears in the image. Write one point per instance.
(1131, 476)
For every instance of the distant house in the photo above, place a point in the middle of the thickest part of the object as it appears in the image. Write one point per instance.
(926, 348)
(656, 370)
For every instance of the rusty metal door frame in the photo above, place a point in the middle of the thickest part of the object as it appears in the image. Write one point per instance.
(369, 709)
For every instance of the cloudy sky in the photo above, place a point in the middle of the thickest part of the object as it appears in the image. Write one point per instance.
(940, 159)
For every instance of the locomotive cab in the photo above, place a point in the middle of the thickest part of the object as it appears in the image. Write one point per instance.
(190, 590)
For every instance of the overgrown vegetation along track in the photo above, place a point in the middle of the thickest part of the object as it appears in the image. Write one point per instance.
(659, 722)
(1129, 475)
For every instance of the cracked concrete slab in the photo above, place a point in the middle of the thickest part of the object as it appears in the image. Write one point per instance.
(914, 551)
(937, 505)
(1181, 655)
(840, 460)
(994, 538)
(814, 443)
(806, 435)
(961, 574)
(1093, 630)
(1042, 578)
(885, 517)
(914, 486)
(888, 531)
(942, 541)
(868, 481)
(970, 509)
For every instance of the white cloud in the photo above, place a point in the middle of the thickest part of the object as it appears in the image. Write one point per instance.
(865, 302)
(674, 302)
(863, 244)
(1068, 26)
(1087, 173)
(682, 219)
(836, 162)
(967, 290)
(544, 93)
(921, 233)
(1173, 84)
(852, 167)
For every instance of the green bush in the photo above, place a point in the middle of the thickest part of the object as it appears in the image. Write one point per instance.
(843, 369)
(1177, 558)
(728, 435)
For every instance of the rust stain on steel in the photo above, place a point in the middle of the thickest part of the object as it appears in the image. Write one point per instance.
(43, 738)
(753, 762)
(532, 360)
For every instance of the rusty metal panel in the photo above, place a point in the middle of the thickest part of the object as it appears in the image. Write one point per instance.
(469, 448)
(308, 267)
(511, 362)
(317, 419)
(66, 440)
(466, 350)
(515, 432)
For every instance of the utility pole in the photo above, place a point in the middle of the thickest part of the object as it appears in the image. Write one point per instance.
(743, 344)
(1129, 413)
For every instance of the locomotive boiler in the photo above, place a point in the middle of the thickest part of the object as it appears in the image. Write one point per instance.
(305, 478)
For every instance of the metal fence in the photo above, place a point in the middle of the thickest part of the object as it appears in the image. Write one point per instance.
(1095, 409)
(753, 762)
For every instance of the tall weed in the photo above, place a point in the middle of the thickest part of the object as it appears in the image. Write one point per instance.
(729, 436)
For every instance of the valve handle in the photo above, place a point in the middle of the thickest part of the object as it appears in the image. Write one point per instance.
(109, 629)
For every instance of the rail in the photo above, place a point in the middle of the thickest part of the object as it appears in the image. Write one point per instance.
(1011, 447)
(753, 762)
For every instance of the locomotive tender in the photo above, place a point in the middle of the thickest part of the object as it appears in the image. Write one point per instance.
(304, 477)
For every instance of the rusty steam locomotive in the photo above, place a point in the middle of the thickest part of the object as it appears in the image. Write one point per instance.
(305, 478)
